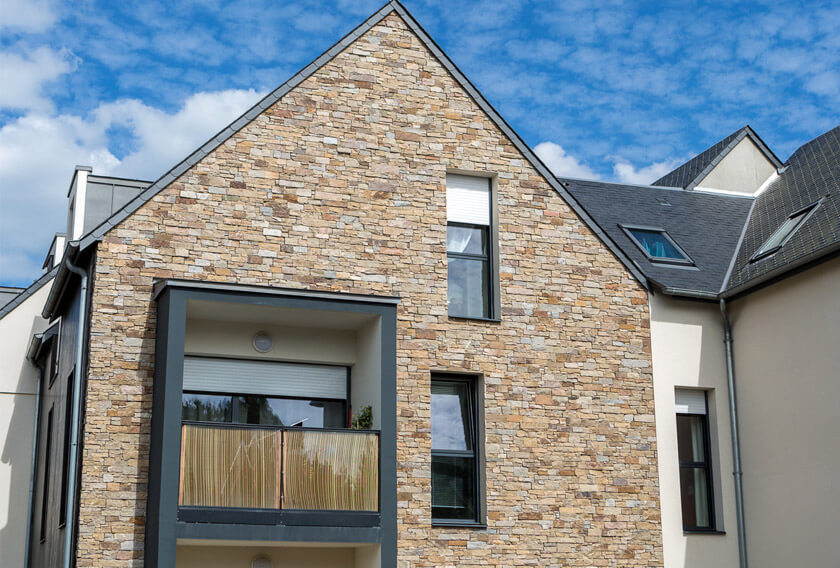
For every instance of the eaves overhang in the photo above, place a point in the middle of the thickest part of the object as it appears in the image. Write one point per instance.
(72, 252)
(790, 269)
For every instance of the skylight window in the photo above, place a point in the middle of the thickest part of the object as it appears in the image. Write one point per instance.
(783, 233)
(657, 245)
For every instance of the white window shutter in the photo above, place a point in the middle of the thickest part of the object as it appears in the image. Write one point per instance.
(690, 401)
(467, 199)
(268, 378)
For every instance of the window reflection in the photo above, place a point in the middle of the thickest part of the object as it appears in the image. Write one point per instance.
(265, 411)
(657, 244)
(206, 407)
(450, 417)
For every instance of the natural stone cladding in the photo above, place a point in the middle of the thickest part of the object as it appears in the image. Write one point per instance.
(340, 186)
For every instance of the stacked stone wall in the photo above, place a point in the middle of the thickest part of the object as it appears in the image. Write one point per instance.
(340, 186)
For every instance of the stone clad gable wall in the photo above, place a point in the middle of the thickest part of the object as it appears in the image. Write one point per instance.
(341, 186)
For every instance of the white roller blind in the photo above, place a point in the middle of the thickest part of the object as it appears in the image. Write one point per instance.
(467, 199)
(269, 378)
(690, 401)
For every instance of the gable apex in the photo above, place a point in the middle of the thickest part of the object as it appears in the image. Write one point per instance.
(251, 114)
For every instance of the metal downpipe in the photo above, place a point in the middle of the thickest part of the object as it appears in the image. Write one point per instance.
(75, 427)
(736, 448)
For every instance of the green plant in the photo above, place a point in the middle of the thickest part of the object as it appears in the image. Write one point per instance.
(363, 419)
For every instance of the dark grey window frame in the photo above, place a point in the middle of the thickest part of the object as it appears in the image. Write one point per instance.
(707, 466)
(52, 371)
(805, 212)
(493, 280)
(165, 525)
(687, 261)
(477, 454)
(45, 488)
(65, 465)
(486, 258)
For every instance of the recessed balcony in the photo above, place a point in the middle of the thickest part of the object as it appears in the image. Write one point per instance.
(252, 449)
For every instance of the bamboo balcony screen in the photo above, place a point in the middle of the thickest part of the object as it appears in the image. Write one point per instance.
(279, 468)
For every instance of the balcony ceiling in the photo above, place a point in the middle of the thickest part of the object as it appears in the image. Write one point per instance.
(292, 317)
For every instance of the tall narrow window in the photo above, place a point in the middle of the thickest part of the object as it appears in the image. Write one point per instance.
(65, 466)
(45, 489)
(695, 461)
(454, 451)
(53, 360)
(468, 246)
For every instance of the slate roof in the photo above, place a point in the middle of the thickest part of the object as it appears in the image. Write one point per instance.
(8, 293)
(707, 226)
(721, 232)
(691, 173)
(31, 289)
(812, 173)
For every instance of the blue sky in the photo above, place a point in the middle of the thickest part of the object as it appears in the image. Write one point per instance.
(611, 90)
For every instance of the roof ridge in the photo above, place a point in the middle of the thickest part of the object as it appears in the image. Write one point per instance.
(737, 249)
(656, 187)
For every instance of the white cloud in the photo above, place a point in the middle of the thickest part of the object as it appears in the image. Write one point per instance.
(38, 153)
(561, 163)
(23, 77)
(27, 15)
(626, 172)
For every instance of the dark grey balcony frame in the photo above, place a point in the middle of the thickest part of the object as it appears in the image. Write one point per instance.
(163, 527)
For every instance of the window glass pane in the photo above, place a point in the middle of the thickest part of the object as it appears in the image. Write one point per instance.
(450, 416)
(453, 488)
(691, 438)
(695, 497)
(656, 244)
(467, 288)
(466, 240)
(291, 412)
(206, 407)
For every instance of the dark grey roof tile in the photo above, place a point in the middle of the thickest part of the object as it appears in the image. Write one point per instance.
(706, 226)
(811, 174)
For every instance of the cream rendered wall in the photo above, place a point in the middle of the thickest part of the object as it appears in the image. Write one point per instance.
(281, 557)
(368, 556)
(743, 170)
(233, 339)
(18, 383)
(787, 362)
(687, 350)
(366, 375)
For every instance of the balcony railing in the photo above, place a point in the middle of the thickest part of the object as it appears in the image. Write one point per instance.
(254, 467)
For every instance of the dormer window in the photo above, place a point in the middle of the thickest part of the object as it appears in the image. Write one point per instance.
(785, 231)
(657, 245)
